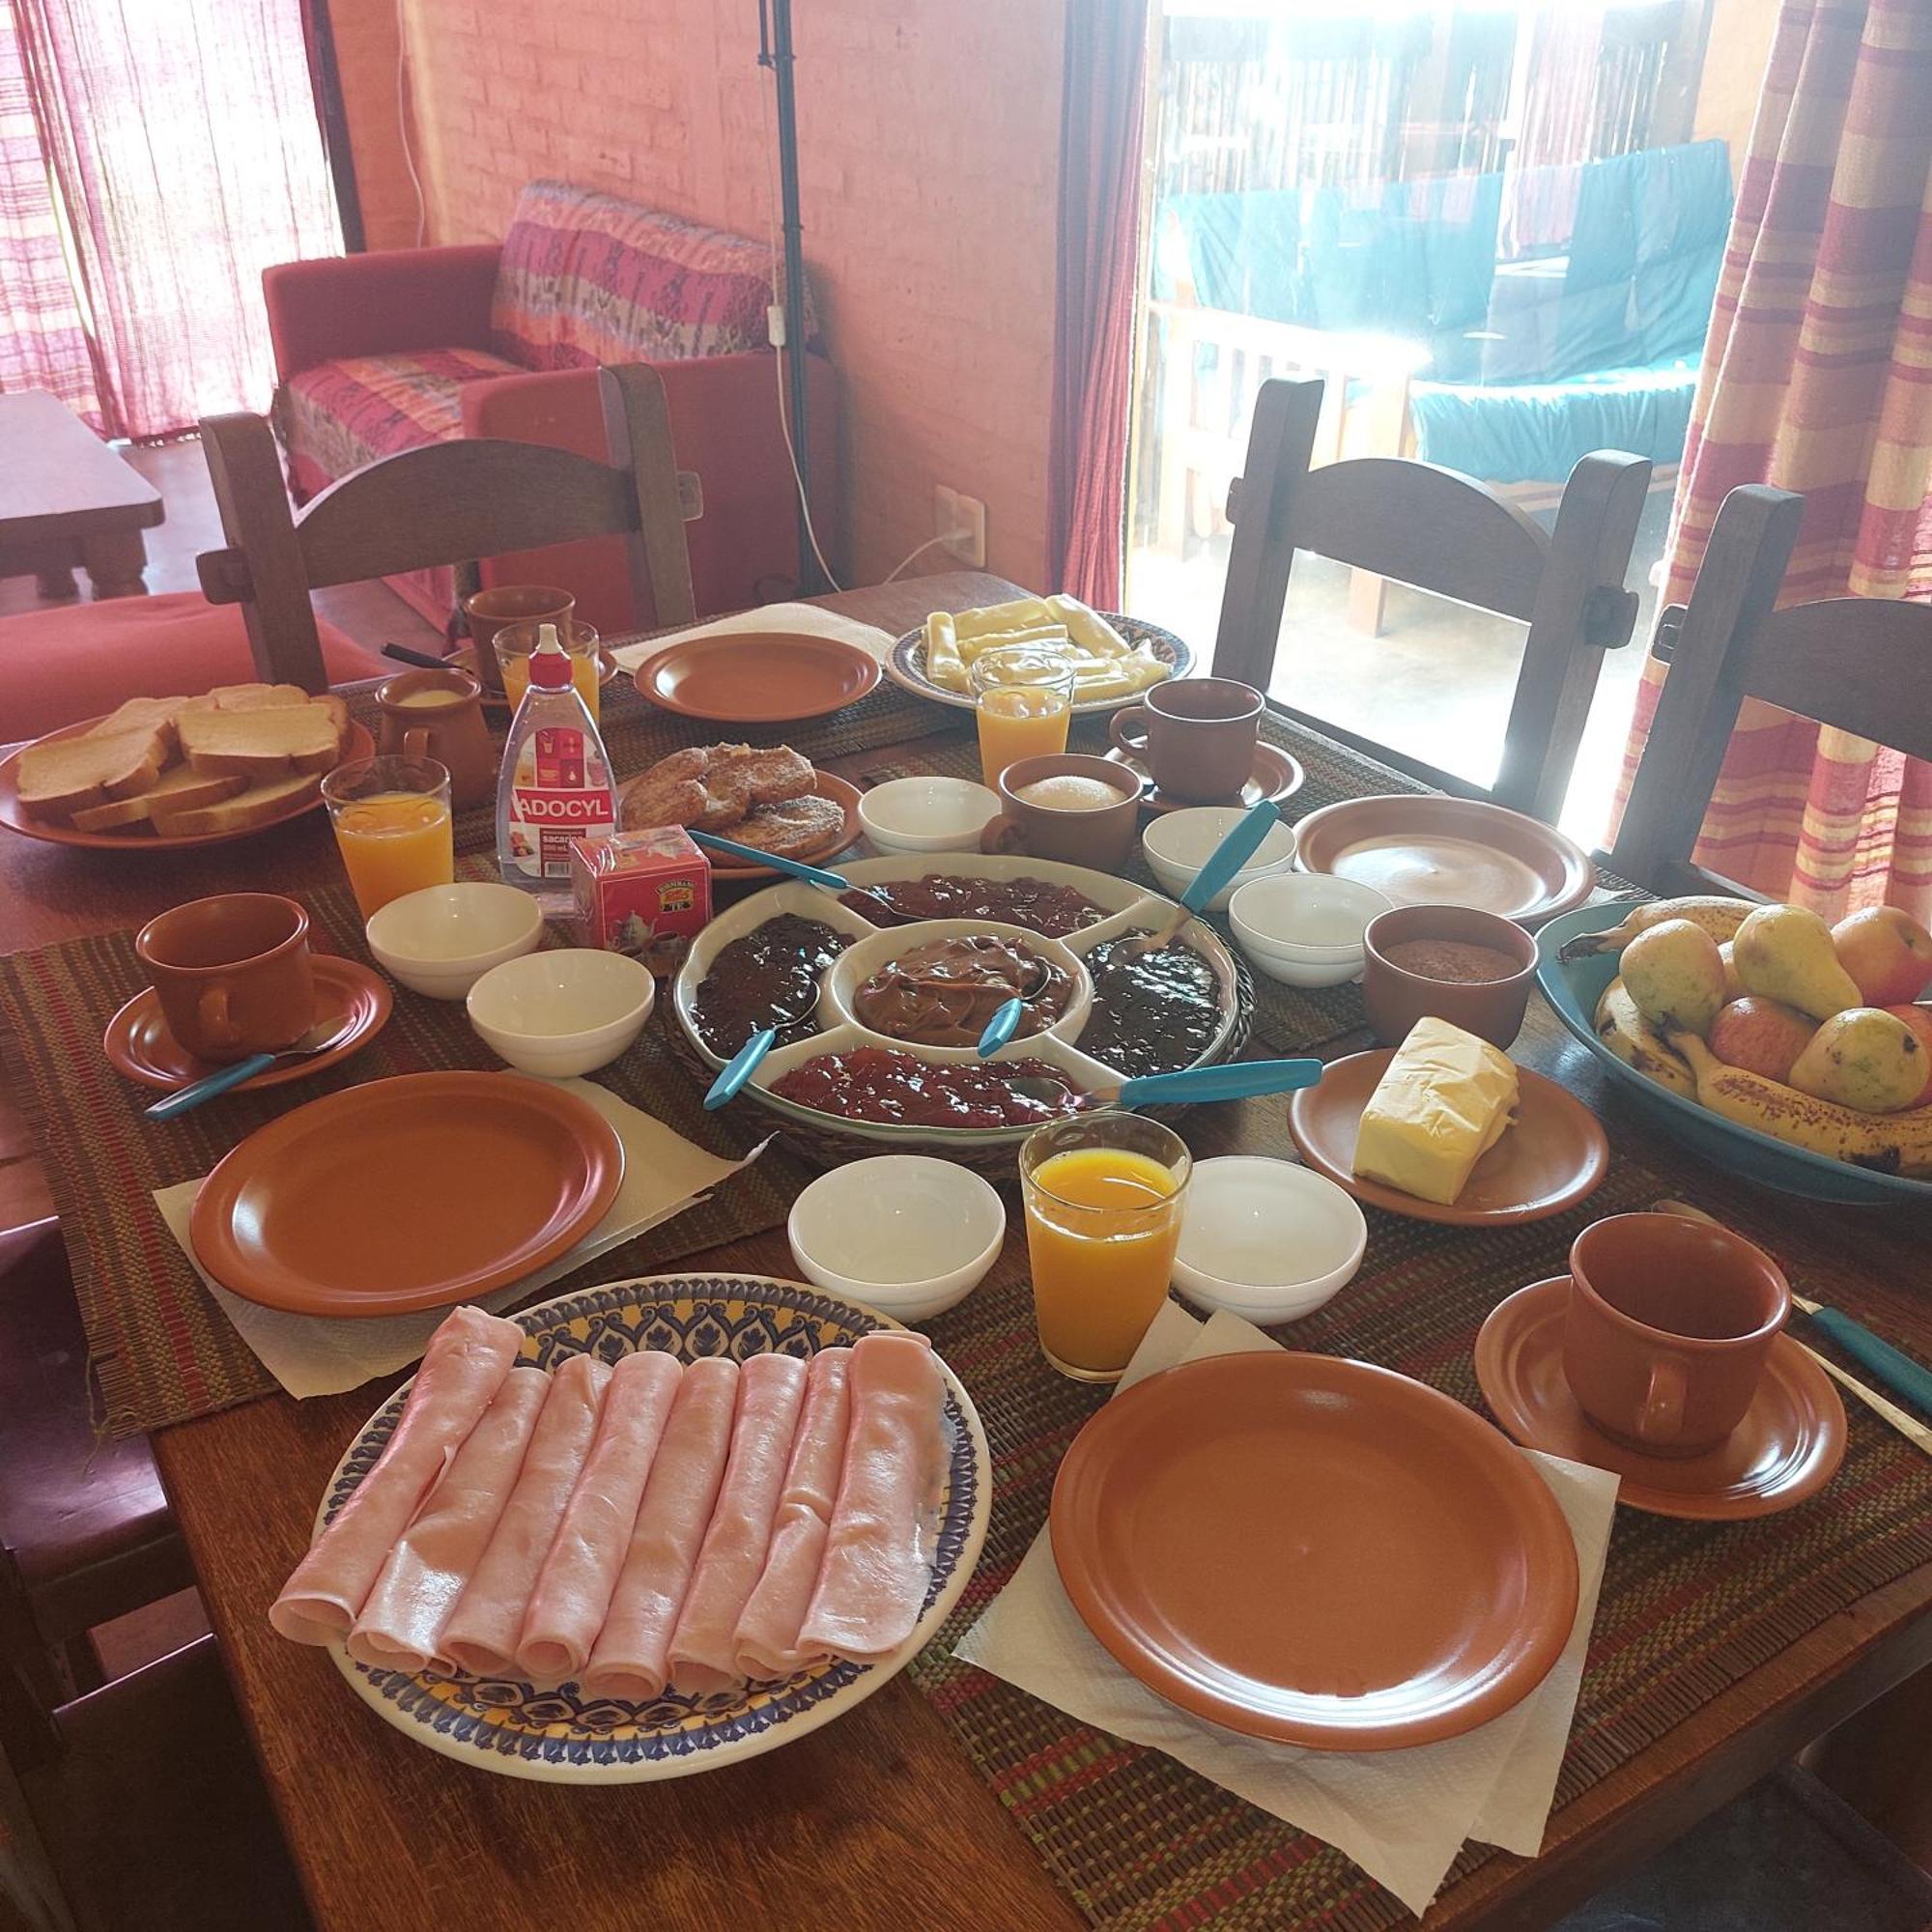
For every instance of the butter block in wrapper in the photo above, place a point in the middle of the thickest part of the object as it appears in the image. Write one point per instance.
(647, 892)
(1445, 1101)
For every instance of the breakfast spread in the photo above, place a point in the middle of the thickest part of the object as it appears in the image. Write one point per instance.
(1050, 910)
(1152, 1013)
(767, 978)
(1459, 960)
(762, 796)
(878, 1083)
(1445, 1100)
(943, 992)
(1105, 666)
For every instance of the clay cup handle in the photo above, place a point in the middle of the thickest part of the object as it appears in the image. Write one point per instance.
(1120, 729)
(416, 741)
(1002, 835)
(1662, 1415)
(217, 1020)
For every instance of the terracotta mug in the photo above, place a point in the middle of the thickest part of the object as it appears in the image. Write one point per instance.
(1668, 1328)
(1196, 735)
(489, 610)
(233, 973)
(438, 714)
(1101, 836)
(1394, 997)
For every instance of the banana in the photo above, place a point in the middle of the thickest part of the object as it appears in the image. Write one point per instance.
(1721, 918)
(1889, 1142)
(1637, 1044)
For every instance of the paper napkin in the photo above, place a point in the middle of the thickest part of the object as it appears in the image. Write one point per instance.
(319, 1354)
(805, 618)
(1402, 1815)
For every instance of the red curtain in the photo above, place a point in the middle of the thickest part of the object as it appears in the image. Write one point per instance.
(1100, 145)
(182, 143)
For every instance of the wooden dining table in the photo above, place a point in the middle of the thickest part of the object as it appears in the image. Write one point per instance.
(881, 1818)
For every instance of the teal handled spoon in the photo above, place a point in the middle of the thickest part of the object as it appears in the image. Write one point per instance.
(1243, 841)
(796, 868)
(319, 1039)
(737, 1071)
(1235, 1080)
(1006, 1017)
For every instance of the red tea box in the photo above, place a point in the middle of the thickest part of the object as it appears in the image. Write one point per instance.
(642, 893)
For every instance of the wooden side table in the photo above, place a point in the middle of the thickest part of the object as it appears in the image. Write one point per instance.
(67, 502)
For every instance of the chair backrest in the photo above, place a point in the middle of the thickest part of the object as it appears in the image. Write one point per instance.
(448, 503)
(1445, 533)
(1862, 664)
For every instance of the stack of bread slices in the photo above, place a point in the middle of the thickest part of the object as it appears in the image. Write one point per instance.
(243, 755)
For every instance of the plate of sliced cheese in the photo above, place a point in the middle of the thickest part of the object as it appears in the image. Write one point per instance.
(172, 772)
(1115, 658)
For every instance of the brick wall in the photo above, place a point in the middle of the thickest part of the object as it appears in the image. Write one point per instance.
(928, 140)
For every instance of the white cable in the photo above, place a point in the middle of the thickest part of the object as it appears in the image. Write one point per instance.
(403, 124)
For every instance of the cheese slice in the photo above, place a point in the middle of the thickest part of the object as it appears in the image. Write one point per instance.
(1445, 1100)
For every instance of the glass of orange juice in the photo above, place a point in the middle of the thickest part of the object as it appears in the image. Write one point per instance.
(392, 825)
(1024, 698)
(516, 641)
(1104, 1195)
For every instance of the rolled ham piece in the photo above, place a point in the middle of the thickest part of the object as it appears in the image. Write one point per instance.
(463, 1368)
(766, 1641)
(878, 1549)
(482, 1630)
(435, 1556)
(573, 1586)
(703, 1649)
(631, 1656)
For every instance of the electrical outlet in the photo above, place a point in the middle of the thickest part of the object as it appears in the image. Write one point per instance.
(961, 520)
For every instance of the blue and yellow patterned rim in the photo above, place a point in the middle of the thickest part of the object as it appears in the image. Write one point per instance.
(504, 1725)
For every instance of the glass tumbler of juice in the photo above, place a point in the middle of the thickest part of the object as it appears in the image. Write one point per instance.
(1104, 1196)
(516, 641)
(392, 826)
(1024, 697)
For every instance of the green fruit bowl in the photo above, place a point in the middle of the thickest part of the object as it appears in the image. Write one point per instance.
(1574, 991)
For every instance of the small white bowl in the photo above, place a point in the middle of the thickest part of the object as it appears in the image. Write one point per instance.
(1266, 1239)
(906, 1234)
(563, 1012)
(1307, 915)
(1177, 845)
(441, 940)
(927, 813)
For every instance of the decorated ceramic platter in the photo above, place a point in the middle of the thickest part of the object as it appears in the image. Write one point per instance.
(558, 1736)
(906, 665)
(878, 1002)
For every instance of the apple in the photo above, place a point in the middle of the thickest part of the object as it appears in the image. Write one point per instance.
(1920, 1021)
(1888, 953)
(1760, 1036)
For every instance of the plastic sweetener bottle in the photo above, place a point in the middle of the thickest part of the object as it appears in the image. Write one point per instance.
(555, 785)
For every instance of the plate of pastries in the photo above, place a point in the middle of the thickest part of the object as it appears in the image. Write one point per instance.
(767, 796)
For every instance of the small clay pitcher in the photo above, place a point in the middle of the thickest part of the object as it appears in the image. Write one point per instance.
(1101, 837)
(233, 973)
(438, 714)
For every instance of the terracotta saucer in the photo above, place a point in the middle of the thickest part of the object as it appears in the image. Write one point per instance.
(1556, 1155)
(841, 794)
(1275, 777)
(1313, 1552)
(495, 703)
(137, 1041)
(757, 677)
(1787, 1448)
(405, 1194)
(1426, 850)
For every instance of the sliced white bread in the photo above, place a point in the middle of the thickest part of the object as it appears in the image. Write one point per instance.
(62, 776)
(179, 788)
(265, 743)
(260, 804)
(250, 697)
(141, 714)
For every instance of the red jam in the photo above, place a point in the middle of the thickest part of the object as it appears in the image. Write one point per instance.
(1053, 911)
(879, 1085)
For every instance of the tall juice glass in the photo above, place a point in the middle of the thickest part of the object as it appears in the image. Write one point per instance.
(1024, 697)
(392, 826)
(1104, 1197)
(516, 641)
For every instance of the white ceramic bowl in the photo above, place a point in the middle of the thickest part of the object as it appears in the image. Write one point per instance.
(906, 1234)
(1266, 1239)
(1177, 845)
(563, 1012)
(927, 813)
(441, 940)
(1307, 915)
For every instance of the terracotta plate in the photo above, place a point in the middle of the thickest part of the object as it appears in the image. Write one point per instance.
(1556, 1155)
(359, 745)
(905, 664)
(757, 677)
(1275, 777)
(841, 794)
(1429, 850)
(405, 1194)
(1787, 1448)
(1313, 1552)
(137, 1041)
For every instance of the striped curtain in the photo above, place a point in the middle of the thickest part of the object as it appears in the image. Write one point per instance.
(1817, 377)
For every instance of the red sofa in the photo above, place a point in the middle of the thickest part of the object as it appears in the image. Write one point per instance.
(375, 353)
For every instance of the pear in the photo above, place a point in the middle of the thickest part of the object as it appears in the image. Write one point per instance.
(1865, 1059)
(1734, 987)
(1785, 953)
(1675, 972)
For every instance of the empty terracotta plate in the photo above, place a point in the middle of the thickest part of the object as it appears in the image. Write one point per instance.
(1429, 850)
(405, 1194)
(1313, 1552)
(138, 1043)
(1556, 1155)
(1787, 1448)
(757, 677)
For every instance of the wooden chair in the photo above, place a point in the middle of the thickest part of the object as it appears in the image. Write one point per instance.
(448, 502)
(1431, 527)
(1862, 663)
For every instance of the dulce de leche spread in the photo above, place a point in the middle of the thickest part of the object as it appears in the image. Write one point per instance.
(944, 992)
